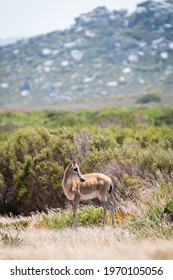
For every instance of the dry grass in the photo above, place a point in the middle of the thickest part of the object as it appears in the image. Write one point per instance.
(86, 243)
(34, 241)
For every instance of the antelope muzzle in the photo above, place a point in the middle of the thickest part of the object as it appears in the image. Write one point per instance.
(81, 178)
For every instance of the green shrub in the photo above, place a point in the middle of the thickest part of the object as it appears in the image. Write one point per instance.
(32, 161)
(168, 207)
(148, 98)
(54, 220)
(86, 216)
(151, 224)
(104, 117)
(10, 239)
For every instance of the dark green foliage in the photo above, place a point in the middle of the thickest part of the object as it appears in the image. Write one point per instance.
(11, 121)
(135, 153)
(86, 216)
(148, 98)
(32, 163)
(168, 208)
(154, 223)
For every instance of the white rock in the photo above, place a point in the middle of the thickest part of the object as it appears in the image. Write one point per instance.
(133, 58)
(65, 63)
(126, 23)
(24, 93)
(48, 63)
(74, 87)
(158, 41)
(36, 80)
(162, 78)
(47, 69)
(79, 29)
(140, 53)
(89, 33)
(122, 79)
(141, 10)
(141, 81)
(88, 80)
(154, 47)
(117, 45)
(142, 44)
(74, 76)
(169, 70)
(112, 84)
(46, 51)
(4, 85)
(76, 55)
(127, 70)
(125, 62)
(168, 25)
(55, 52)
(41, 79)
(91, 78)
(170, 46)
(39, 68)
(161, 30)
(70, 45)
(112, 17)
(16, 51)
(59, 84)
(86, 18)
(104, 93)
(164, 55)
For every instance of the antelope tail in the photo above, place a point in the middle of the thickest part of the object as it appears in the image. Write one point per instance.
(110, 187)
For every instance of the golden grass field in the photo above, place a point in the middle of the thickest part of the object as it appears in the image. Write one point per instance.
(27, 238)
(36, 242)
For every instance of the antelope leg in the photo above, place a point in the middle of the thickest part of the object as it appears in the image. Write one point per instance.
(75, 206)
(108, 203)
(104, 212)
(110, 206)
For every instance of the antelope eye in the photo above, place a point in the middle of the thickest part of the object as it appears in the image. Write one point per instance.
(75, 169)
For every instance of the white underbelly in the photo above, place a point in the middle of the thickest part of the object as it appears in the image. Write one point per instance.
(89, 195)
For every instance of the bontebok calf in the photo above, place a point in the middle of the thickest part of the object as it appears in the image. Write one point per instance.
(88, 186)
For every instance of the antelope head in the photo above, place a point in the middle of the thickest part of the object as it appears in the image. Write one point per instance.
(74, 168)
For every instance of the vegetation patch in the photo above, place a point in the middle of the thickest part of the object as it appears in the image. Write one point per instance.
(148, 98)
(133, 146)
(86, 216)
(138, 156)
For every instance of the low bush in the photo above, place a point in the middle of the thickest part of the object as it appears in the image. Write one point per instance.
(119, 117)
(148, 98)
(86, 216)
(31, 165)
(32, 162)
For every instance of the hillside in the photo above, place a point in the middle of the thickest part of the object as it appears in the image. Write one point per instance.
(105, 55)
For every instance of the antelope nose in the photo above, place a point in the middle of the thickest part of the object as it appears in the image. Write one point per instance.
(82, 179)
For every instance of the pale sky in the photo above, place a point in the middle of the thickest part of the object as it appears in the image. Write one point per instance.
(26, 18)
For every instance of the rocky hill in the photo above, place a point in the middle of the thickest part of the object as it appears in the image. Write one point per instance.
(104, 54)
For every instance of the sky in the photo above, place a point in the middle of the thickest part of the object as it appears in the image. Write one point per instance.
(27, 18)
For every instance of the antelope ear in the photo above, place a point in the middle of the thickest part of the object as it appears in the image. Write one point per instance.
(69, 166)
